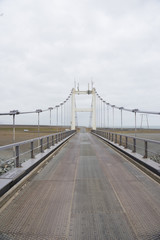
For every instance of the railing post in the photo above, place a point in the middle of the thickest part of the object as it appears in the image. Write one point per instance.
(47, 142)
(112, 137)
(41, 144)
(145, 149)
(107, 135)
(32, 149)
(126, 144)
(115, 138)
(57, 137)
(134, 144)
(17, 156)
(52, 140)
(120, 140)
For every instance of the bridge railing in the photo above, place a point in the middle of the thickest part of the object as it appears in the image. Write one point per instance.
(146, 147)
(13, 155)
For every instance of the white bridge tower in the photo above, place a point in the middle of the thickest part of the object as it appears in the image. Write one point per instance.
(92, 109)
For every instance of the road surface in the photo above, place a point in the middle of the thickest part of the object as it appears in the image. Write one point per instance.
(86, 192)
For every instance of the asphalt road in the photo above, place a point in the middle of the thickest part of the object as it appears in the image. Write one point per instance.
(86, 192)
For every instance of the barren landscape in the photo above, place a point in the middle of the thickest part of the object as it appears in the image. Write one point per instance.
(24, 133)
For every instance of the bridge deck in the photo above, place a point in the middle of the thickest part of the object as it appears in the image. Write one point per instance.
(87, 191)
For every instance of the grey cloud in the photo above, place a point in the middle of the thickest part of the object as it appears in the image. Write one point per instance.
(46, 45)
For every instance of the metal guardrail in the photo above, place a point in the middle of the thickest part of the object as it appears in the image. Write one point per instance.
(146, 147)
(13, 155)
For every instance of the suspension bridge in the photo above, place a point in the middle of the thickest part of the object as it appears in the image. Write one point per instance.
(81, 183)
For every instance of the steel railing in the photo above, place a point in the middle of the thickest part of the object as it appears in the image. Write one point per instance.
(13, 155)
(146, 147)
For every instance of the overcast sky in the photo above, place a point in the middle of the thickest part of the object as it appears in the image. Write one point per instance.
(46, 45)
